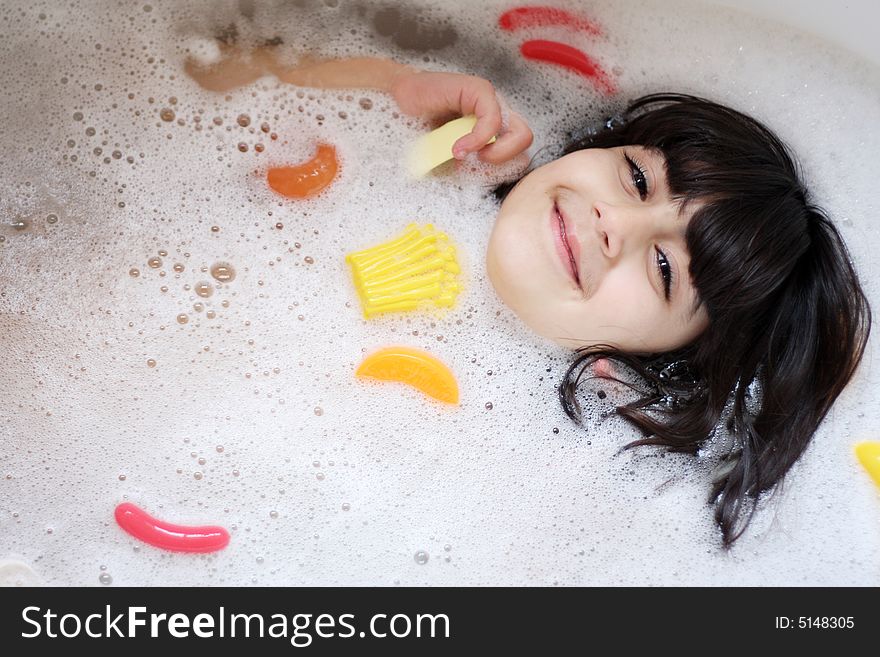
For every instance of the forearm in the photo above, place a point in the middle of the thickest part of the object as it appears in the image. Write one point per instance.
(354, 73)
(417, 93)
(237, 68)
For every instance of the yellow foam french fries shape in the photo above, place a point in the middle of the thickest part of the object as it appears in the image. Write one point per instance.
(416, 270)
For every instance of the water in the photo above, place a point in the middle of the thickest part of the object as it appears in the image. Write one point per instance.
(100, 379)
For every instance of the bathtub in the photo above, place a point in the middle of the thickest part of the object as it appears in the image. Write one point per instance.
(241, 421)
(849, 24)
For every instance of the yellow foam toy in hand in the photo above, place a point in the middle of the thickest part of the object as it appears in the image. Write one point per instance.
(416, 270)
(435, 148)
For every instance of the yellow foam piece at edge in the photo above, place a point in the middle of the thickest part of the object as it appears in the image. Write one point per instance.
(435, 148)
(868, 454)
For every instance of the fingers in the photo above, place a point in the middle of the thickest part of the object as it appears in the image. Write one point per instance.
(517, 138)
(513, 141)
(478, 98)
(424, 93)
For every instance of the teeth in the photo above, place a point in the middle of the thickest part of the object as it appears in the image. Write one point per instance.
(416, 270)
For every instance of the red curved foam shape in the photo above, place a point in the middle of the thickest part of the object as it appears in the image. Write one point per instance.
(524, 17)
(571, 58)
(168, 536)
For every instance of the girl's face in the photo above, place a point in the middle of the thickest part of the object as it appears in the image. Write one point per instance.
(590, 249)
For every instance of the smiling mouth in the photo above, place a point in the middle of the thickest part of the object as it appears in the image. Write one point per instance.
(572, 263)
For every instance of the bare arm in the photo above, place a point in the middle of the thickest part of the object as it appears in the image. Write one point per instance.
(354, 73)
(418, 93)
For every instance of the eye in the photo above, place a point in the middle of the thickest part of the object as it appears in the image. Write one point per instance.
(665, 271)
(640, 179)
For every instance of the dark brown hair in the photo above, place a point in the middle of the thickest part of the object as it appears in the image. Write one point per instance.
(788, 317)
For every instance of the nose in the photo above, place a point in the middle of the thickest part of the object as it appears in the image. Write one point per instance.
(608, 229)
(618, 228)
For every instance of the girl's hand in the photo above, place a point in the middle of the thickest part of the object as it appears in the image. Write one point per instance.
(449, 95)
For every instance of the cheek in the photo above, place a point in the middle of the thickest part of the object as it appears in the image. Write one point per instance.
(628, 314)
(620, 313)
(514, 259)
(513, 267)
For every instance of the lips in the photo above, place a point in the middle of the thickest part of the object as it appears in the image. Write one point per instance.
(567, 245)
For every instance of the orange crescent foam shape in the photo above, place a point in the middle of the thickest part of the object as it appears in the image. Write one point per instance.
(414, 367)
(306, 179)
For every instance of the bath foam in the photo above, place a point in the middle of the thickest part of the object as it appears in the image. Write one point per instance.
(261, 431)
(15, 573)
(204, 51)
(417, 270)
